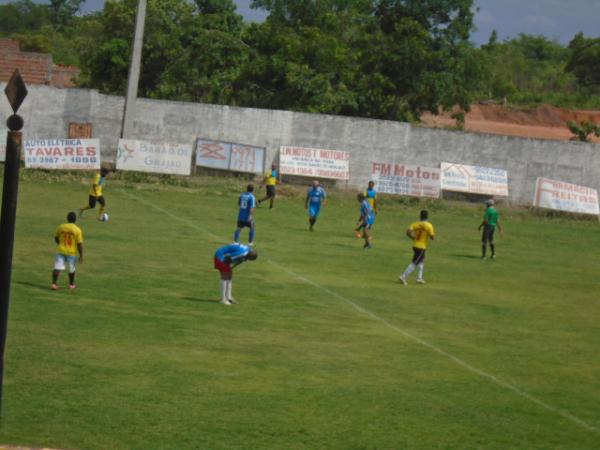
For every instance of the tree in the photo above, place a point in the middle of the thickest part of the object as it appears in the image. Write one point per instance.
(22, 16)
(62, 12)
(584, 61)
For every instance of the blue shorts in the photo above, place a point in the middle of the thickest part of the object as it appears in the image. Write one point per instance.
(314, 210)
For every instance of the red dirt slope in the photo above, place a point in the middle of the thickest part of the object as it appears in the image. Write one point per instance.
(545, 122)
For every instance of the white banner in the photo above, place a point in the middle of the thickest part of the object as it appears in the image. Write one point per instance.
(474, 179)
(156, 157)
(62, 154)
(3, 134)
(416, 181)
(228, 156)
(562, 196)
(313, 162)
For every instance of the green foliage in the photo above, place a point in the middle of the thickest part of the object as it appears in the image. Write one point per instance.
(62, 12)
(22, 16)
(530, 70)
(584, 61)
(387, 59)
(582, 131)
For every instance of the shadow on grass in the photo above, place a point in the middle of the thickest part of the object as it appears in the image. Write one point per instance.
(465, 256)
(44, 287)
(200, 300)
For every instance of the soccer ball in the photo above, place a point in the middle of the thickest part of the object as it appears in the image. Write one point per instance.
(103, 217)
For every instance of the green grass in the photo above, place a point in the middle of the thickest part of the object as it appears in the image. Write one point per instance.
(325, 349)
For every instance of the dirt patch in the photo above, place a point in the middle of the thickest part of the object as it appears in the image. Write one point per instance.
(545, 122)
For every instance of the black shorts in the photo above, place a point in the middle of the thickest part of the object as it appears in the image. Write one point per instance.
(270, 191)
(245, 223)
(92, 201)
(418, 255)
(488, 234)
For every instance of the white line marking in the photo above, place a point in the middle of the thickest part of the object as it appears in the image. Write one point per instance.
(391, 326)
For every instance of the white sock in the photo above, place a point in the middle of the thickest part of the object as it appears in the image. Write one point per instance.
(409, 270)
(229, 282)
(421, 268)
(223, 289)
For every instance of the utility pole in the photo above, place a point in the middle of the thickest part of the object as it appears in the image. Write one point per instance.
(15, 92)
(134, 71)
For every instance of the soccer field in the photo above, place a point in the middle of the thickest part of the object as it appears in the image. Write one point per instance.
(326, 350)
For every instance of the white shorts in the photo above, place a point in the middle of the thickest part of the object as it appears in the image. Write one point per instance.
(61, 261)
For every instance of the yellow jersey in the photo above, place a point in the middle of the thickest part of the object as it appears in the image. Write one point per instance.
(96, 189)
(271, 178)
(423, 231)
(69, 235)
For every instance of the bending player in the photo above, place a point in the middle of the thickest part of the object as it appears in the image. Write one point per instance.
(70, 241)
(226, 258)
(420, 232)
(247, 203)
(315, 196)
(365, 221)
(96, 194)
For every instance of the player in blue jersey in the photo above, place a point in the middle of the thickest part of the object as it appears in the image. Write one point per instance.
(366, 219)
(247, 203)
(315, 197)
(226, 258)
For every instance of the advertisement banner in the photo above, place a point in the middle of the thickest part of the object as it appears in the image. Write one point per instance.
(313, 162)
(62, 154)
(474, 179)
(416, 181)
(229, 156)
(560, 196)
(3, 134)
(156, 157)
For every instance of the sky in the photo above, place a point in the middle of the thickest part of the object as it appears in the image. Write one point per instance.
(555, 19)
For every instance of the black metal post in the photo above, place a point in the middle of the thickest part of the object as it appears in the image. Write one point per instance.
(7, 233)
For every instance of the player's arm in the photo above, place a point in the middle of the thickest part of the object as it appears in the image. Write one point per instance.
(56, 239)
(499, 226)
(80, 250)
(482, 223)
(410, 233)
(375, 205)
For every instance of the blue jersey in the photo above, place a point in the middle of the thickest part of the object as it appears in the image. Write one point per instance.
(366, 212)
(247, 203)
(316, 195)
(237, 253)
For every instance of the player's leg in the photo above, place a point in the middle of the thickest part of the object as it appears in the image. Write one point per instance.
(421, 266)
(411, 267)
(102, 205)
(71, 262)
(492, 244)
(271, 196)
(228, 289)
(59, 264)
(238, 232)
(484, 238)
(251, 233)
(91, 205)
(367, 236)
(225, 289)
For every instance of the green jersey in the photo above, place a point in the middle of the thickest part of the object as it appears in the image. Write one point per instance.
(491, 216)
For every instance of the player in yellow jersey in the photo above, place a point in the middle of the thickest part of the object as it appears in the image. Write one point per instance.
(96, 194)
(271, 179)
(70, 241)
(420, 232)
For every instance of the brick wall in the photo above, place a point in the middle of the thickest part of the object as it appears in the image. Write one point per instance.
(35, 68)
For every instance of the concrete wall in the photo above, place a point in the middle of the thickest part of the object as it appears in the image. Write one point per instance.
(47, 112)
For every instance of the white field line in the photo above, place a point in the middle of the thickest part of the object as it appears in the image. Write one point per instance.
(391, 326)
